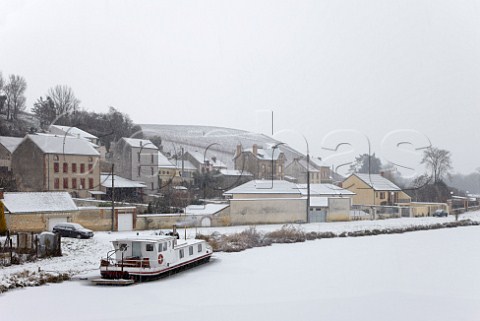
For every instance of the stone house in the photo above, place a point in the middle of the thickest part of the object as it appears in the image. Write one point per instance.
(137, 160)
(49, 163)
(297, 171)
(261, 163)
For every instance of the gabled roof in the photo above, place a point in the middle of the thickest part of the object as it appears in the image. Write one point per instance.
(377, 182)
(118, 181)
(10, 143)
(199, 157)
(265, 187)
(63, 145)
(139, 143)
(324, 189)
(266, 154)
(164, 162)
(74, 131)
(40, 202)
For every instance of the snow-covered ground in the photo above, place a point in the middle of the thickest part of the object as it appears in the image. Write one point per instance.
(426, 275)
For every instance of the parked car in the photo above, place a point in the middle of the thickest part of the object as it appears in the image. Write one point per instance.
(72, 230)
(440, 213)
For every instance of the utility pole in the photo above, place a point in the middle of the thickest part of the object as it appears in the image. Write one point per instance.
(113, 199)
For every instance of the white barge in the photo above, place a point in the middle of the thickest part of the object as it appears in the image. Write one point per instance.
(138, 259)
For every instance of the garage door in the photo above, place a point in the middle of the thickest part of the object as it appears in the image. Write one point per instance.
(54, 221)
(125, 222)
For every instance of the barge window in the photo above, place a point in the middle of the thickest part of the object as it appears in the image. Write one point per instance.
(165, 246)
(182, 254)
(199, 247)
(190, 250)
(149, 247)
(160, 247)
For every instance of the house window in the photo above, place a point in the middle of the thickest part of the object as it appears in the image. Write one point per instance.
(82, 183)
(90, 183)
(56, 183)
(382, 195)
(152, 158)
(65, 182)
(182, 253)
(90, 167)
(65, 167)
(152, 170)
(74, 167)
(151, 184)
(56, 167)
(74, 183)
(82, 168)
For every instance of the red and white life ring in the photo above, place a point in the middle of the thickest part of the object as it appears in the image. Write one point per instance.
(160, 258)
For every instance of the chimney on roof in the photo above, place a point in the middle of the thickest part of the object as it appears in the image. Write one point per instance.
(239, 150)
(254, 149)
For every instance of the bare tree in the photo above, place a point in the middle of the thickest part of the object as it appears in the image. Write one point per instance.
(63, 99)
(438, 162)
(15, 95)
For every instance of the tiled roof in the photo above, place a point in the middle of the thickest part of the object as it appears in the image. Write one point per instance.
(63, 145)
(39, 202)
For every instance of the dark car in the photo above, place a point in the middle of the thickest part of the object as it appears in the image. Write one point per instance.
(72, 230)
(440, 213)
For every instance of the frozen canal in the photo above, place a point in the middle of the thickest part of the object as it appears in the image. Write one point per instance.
(430, 275)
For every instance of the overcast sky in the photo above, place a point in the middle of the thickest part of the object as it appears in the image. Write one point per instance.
(331, 71)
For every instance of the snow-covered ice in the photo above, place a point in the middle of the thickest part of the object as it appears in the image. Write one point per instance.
(426, 275)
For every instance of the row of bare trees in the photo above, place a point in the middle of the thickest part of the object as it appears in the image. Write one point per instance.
(59, 100)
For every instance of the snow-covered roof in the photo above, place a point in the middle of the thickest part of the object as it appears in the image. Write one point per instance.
(265, 187)
(312, 168)
(32, 202)
(207, 209)
(118, 181)
(186, 165)
(324, 189)
(199, 157)
(266, 154)
(10, 143)
(378, 182)
(216, 163)
(73, 131)
(164, 162)
(139, 143)
(234, 172)
(63, 145)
